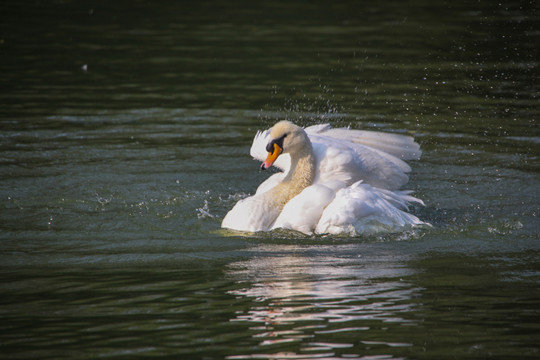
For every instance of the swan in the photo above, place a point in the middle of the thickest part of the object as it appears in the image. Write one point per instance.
(334, 181)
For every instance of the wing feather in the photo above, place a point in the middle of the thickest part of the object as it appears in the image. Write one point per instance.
(350, 155)
(401, 146)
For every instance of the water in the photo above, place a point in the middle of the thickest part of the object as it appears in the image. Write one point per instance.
(125, 131)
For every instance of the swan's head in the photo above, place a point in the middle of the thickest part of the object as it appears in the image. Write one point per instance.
(285, 137)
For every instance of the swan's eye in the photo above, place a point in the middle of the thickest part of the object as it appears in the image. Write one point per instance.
(278, 142)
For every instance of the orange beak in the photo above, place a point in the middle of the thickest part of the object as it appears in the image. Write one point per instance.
(272, 156)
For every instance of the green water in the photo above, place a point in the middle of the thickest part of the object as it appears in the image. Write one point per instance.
(125, 129)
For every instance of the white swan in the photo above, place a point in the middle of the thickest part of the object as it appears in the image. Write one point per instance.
(334, 181)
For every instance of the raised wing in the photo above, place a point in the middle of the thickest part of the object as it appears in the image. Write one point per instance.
(345, 155)
(401, 146)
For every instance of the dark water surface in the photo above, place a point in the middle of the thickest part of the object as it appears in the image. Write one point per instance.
(125, 134)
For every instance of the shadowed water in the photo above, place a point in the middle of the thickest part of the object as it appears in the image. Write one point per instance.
(125, 130)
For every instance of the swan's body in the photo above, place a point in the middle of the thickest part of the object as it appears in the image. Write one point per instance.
(334, 181)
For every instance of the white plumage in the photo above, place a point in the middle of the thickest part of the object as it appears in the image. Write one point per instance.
(341, 181)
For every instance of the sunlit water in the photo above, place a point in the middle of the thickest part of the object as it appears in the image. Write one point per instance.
(125, 133)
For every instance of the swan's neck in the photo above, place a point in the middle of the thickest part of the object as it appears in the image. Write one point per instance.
(302, 171)
(301, 175)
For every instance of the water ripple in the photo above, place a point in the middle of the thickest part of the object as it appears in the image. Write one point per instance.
(298, 298)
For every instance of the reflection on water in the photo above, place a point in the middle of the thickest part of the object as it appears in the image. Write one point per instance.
(313, 299)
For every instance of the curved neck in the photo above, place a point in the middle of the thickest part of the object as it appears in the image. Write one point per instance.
(302, 171)
(300, 175)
